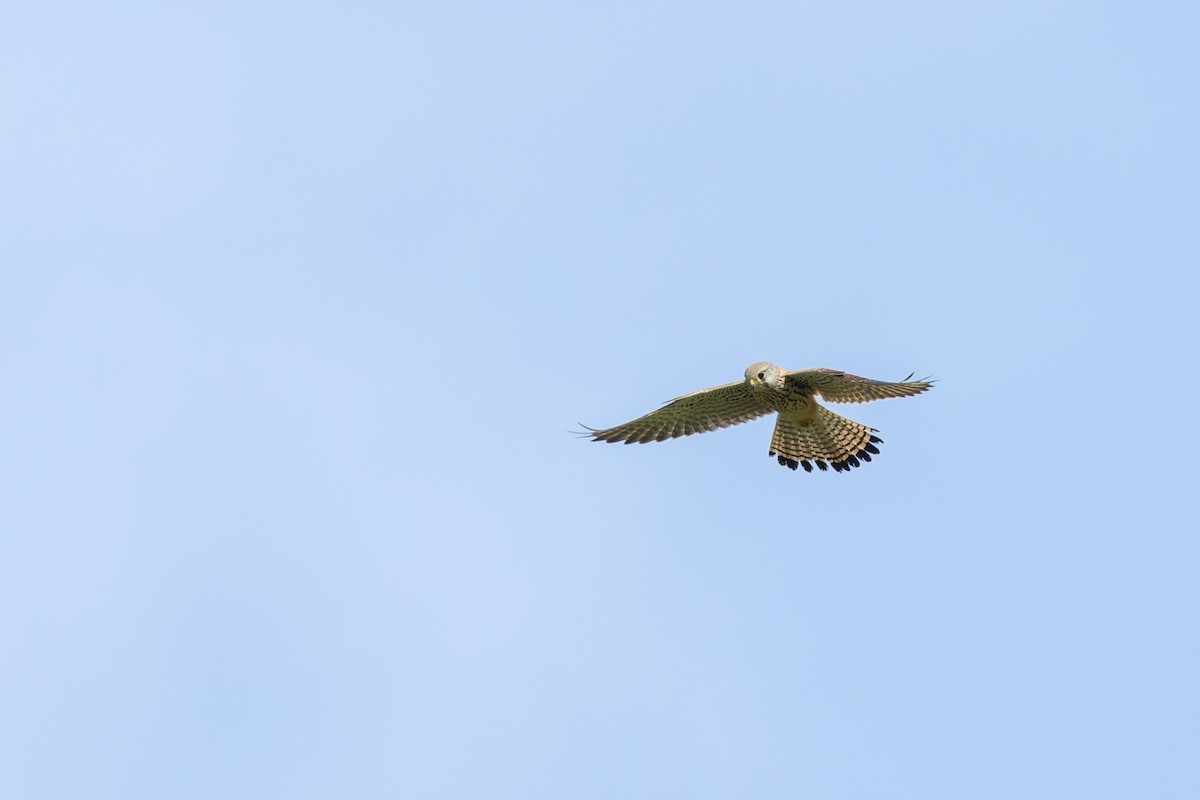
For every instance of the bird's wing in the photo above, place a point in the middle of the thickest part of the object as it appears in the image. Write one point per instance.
(842, 387)
(698, 412)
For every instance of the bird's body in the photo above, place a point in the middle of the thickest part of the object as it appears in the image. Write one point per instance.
(805, 431)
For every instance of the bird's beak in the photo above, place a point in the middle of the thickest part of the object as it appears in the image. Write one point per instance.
(753, 381)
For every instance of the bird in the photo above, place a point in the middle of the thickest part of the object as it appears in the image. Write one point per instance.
(806, 433)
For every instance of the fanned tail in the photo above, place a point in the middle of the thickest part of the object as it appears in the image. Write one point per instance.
(828, 440)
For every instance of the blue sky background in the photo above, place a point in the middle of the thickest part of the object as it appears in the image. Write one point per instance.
(301, 300)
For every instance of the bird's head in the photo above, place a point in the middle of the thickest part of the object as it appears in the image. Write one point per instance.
(764, 375)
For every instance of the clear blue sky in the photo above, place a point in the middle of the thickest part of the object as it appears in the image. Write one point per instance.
(301, 300)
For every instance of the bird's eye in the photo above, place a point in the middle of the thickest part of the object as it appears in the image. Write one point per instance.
(761, 375)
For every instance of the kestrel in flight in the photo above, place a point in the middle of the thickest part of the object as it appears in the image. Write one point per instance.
(804, 431)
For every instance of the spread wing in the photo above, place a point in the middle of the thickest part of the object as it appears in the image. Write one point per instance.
(698, 412)
(842, 387)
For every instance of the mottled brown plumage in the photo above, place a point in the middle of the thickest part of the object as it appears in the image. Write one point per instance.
(805, 434)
